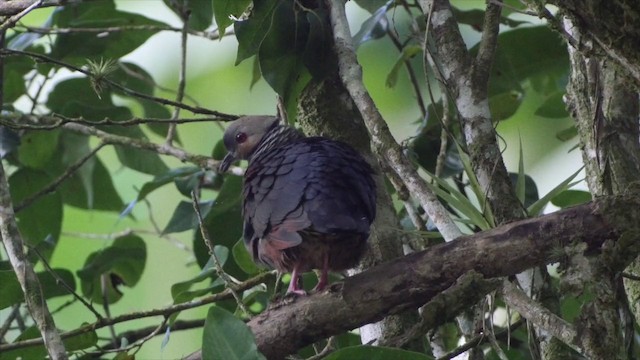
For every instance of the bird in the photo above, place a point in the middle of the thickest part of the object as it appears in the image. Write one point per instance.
(308, 202)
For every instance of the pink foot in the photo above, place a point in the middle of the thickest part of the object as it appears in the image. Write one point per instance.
(295, 285)
(323, 280)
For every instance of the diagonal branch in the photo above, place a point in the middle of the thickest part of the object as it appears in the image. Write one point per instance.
(383, 142)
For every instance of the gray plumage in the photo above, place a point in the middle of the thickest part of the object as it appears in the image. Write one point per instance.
(308, 201)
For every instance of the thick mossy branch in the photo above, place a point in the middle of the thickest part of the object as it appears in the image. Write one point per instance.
(414, 280)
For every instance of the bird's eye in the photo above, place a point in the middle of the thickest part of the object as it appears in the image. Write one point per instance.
(241, 137)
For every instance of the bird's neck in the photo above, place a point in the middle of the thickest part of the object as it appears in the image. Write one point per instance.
(276, 137)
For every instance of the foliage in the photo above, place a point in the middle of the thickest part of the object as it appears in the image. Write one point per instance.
(290, 44)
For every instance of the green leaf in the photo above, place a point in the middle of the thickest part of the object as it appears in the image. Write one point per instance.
(73, 343)
(252, 31)
(78, 47)
(43, 218)
(407, 53)
(12, 293)
(536, 208)
(570, 198)
(209, 272)
(120, 263)
(520, 183)
(37, 148)
(185, 218)
(553, 106)
(567, 134)
(374, 27)
(367, 352)
(76, 98)
(244, 259)
(519, 60)
(166, 178)
(15, 68)
(200, 12)
(105, 198)
(226, 337)
(280, 53)
(504, 105)
(224, 224)
(530, 188)
(224, 9)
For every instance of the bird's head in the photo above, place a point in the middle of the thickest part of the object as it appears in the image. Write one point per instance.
(243, 136)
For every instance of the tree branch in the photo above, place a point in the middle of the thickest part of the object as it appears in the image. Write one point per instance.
(163, 101)
(413, 280)
(381, 138)
(27, 278)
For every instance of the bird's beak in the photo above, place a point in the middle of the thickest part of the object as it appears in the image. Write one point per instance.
(226, 162)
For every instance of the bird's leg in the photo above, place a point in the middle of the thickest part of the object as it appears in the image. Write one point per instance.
(323, 280)
(295, 282)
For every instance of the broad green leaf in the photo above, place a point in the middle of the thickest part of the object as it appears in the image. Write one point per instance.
(43, 218)
(536, 208)
(504, 105)
(12, 293)
(200, 12)
(224, 224)
(76, 98)
(166, 178)
(37, 148)
(104, 197)
(317, 51)
(252, 31)
(226, 337)
(120, 263)
(280, 53)
(567, 134)
(553, 106)
(73, 343)
(209, 272)
(77, 47)
(244, 259)
(407, 53)
(185, 218)
(374, 27)
(368, 352)
(520, 58)
(146, 162)
(224, 9)
(15, 68)
(570, 198)
(189, 183)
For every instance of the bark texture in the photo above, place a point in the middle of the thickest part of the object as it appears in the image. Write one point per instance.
(413, 280)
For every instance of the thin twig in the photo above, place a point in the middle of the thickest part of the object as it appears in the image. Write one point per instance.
(18, 121)
(27, 278)
(14, 19)
(194, 109)
(64, 284)
(104, 287)
(182, 80)
(167, 311)
(479, 340)
(412, 74)
(15, 312)
(229, 282)
(54, 184)
(210, 35)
